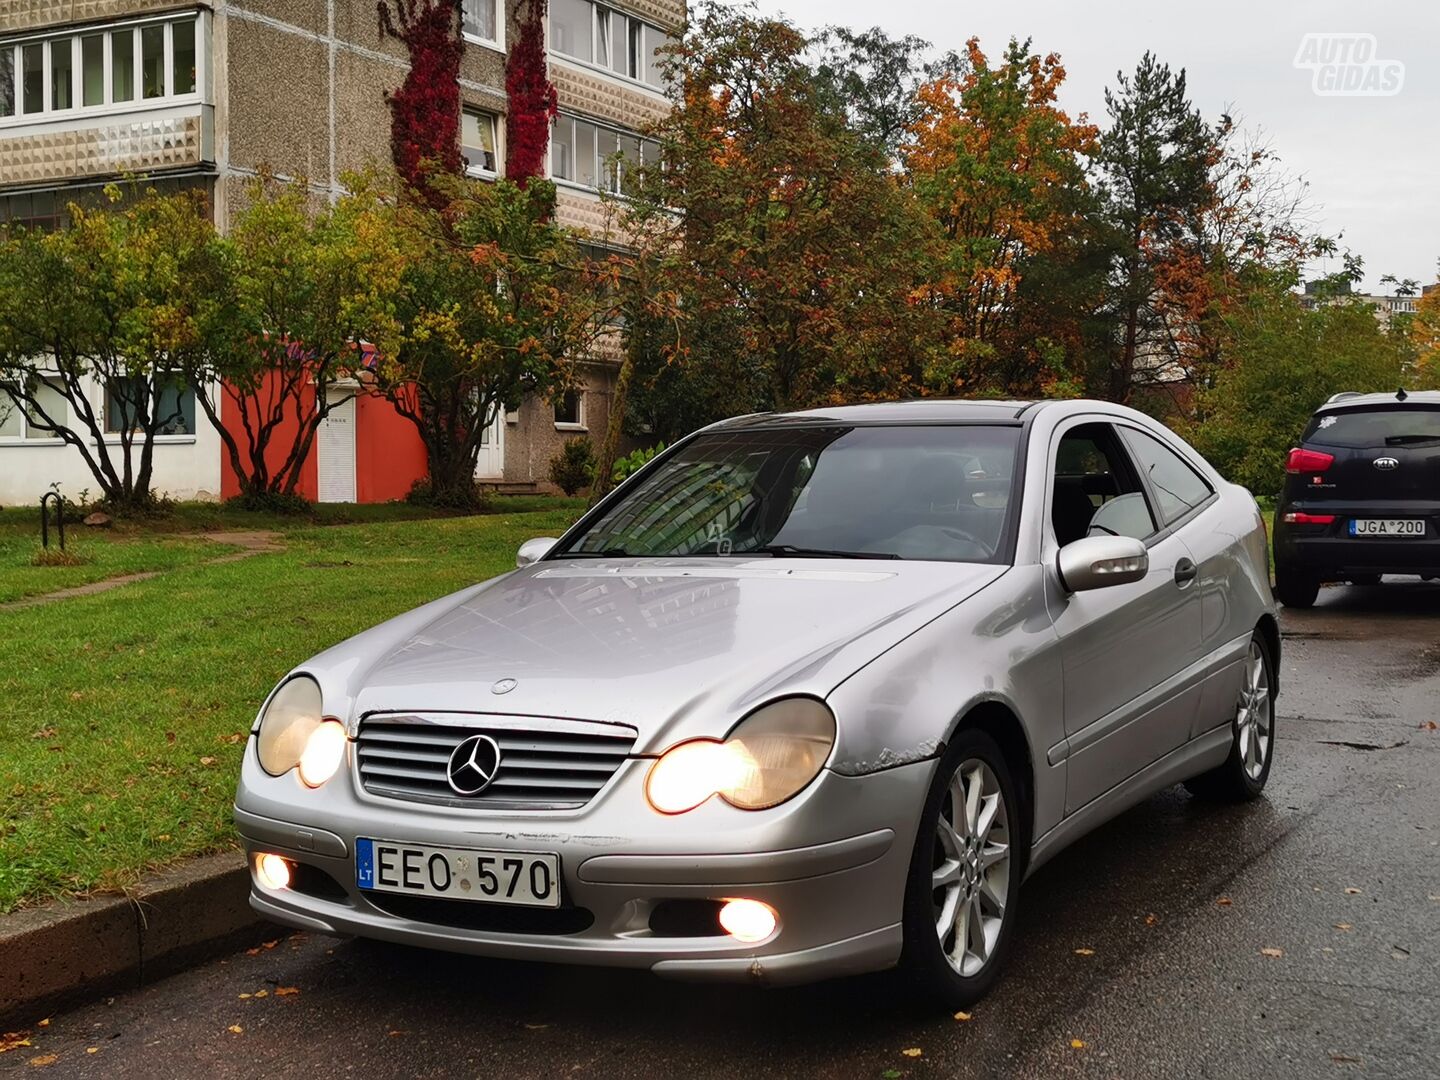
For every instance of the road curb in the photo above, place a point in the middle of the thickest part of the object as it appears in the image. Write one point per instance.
(76, 948)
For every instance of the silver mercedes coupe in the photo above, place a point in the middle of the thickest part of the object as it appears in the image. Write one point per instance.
(808, 695)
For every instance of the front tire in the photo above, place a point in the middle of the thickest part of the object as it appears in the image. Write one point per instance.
(1295, 588)
(960, 899)
(1242, 776)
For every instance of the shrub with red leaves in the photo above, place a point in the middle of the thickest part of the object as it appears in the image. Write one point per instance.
(531, 97)
(425, 111)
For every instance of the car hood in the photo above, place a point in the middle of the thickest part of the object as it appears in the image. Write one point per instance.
(672, 647)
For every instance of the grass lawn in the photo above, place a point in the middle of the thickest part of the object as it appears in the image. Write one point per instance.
(123, 715)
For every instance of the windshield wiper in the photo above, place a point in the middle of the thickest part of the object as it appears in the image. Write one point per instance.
(790, 550)
(1410, 440)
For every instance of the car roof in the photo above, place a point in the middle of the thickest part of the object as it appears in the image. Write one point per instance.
(1352, 400)
(921, 411)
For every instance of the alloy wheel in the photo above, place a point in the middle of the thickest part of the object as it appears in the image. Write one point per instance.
(1253, 719)
(971, 870)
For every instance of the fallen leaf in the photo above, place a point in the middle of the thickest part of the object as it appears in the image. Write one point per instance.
(1430, 725)
(163, 838)
(246, 997)
(252, 952)
(270, 944)
(231, 740)
(913, 1051)
(1084, 952)
(1151, 919)
(44, 1023)
(92, 1049)
(1223, 901)
(208, 760)
(1077, 1044)
(1345, 1059)
(1271, 951)
(962, 1016)
(44, 1059)
(45, 733)
(1343, 926)
(262, 993)
(13, 1040)
(1352, 891)
(396, 1034)
(236, 1029)
(286, 991)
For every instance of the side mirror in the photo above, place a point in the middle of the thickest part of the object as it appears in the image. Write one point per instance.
(1098, 561)
(532, 551)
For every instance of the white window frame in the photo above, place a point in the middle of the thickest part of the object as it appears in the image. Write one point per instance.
(591, 64)
(498, 43)
(24, 439)
(113, 437)
(579, 423)
(497, 128)
(71, 39)
(601, 160)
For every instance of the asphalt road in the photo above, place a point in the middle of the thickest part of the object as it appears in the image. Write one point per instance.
(1337, 869)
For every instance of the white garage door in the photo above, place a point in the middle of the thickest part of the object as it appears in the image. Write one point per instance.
(335, 451)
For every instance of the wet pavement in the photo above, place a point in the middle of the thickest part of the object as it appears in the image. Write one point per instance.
(1298, 936)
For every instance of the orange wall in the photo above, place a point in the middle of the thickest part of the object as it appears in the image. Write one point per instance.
(389, 455)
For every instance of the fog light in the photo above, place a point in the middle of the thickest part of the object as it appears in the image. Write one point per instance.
(323, 753)
(273, 872)
(748, 920)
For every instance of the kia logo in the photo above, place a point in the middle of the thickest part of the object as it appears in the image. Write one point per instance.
(1387, 464)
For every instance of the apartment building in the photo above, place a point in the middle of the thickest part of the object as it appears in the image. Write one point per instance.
(206, 94)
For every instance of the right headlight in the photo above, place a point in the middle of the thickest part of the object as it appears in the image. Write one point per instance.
(771, 756)
(294, 732)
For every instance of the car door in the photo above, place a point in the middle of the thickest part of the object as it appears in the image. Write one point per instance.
(1122, 647)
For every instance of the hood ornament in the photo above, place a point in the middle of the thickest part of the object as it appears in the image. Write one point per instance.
(504, 686)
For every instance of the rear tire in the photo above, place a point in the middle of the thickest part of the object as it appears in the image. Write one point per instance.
(965, 871)
(1295, 588)
(1244, 772)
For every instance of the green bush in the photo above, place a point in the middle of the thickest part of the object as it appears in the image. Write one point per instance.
(633, 462)
(573, 468)
(471, 499)
(270, 502)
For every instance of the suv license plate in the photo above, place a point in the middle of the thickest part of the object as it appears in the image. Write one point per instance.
(528, 879)
(1406, 527)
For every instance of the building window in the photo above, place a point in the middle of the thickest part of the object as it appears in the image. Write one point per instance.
(598, 157)
(480, 21)
(125, 399)
(17, 423)
(157, 62)
(477, 142)
(608, 39)
(570, 409)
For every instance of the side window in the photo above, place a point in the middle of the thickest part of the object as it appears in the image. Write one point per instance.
(1095, 489)
(1178, 487)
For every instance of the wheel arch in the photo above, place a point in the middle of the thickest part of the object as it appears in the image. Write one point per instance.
(1269, 630)
(998, 720)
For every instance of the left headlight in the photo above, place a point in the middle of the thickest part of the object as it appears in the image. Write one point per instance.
(771, 756)
(294, 733)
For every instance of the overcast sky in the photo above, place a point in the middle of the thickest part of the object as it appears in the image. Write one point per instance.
(1373, 163)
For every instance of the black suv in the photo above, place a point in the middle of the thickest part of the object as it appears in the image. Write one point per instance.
(1362, 495)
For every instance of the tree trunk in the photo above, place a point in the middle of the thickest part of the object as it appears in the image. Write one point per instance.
(614, 430)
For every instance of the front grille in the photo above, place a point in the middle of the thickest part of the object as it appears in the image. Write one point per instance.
(544, 764)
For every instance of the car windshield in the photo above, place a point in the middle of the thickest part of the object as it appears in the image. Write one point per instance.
(1374, 428)
(933, 493)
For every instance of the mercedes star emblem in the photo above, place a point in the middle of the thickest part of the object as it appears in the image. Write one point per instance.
(504, 686)
(473, 765)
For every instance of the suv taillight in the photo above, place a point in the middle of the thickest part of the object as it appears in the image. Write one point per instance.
(1308, 461)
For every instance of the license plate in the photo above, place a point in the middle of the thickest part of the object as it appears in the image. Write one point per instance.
(529, 879)
(1410, 527)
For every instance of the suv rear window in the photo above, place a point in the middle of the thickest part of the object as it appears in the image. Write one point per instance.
(1389, 425)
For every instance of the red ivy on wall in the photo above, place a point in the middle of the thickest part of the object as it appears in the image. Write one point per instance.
(425, 111)
(532, 102)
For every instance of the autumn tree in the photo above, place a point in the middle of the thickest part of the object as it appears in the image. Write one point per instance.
(493, 304)
(1424, 332)
(1000, 169)
(425, 110)
(303, 290)
(113, 303)
(792, 246)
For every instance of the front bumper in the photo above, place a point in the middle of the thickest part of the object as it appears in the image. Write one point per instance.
(832, 862)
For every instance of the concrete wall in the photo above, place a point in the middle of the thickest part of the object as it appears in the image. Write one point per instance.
(186, 467)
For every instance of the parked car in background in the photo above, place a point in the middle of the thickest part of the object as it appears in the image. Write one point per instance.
(807, 695)
(1362, 495)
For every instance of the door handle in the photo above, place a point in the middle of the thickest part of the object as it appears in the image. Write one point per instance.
(1185, 573)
